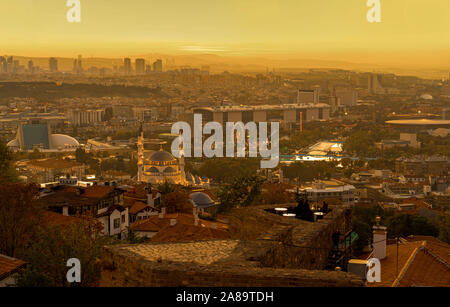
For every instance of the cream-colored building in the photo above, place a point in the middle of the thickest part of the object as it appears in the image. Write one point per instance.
(157, 167)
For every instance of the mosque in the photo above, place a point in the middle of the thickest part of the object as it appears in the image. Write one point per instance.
(157, 167)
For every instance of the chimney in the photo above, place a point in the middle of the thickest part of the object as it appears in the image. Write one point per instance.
(379, 240)
(163, 213)
(65, 211)
(195, 212)
(358, 267)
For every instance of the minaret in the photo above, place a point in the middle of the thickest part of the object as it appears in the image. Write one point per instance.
(183, 174)
(140, 146)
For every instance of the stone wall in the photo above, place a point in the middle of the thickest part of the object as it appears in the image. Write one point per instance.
(126, 269)
(290, 252)
(305, 244)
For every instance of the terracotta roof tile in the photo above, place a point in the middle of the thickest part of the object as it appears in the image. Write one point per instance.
(97, 191)
(426, 270)
(138, 207)
(155, 223)
(422, 261)
(9, 266)
(185, 233)
(56, 219)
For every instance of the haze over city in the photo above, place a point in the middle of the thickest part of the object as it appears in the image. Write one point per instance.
(218, 150)
(273, 33)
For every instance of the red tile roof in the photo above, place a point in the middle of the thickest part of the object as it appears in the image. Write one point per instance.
(185, 233)
(426, 270)
(138, 207)
(9, 266)
(422, 261)
(155, 224)
(56, 219)
(97, 191)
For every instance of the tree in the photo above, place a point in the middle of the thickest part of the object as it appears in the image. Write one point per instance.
(227, 170)
(166, 188)
(243, 192)
(7, 172)
(177, 202)
(308, 171)
(276, 194)
(403, 225)
(20, 215)
(444, 228)
(360, 142)
(364, 232)
(54, 245)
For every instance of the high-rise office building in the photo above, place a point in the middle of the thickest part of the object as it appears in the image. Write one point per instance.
(53, 64)
(80, 65)
(30, 66)
(3, 65)
(75, 66)
(140, 66)
(308, 96)
(374, 85)
(158, 66)
(127, 66)
(348, 97)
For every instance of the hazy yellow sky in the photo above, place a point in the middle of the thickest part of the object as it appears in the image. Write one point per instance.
(419, 30)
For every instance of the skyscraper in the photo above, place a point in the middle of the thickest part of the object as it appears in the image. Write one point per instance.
(374, 85)
(80, 66)
(308, 96)
(127, 66)
(3, 65)
(140, 66)
(30, 66)
(158, 66)
(75, 66)
(53, 64)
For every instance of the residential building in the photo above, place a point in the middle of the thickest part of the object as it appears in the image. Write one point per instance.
(106, 203)
(49, 170)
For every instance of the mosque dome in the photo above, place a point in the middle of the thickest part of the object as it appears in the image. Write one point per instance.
(201, 199)
(162, 156)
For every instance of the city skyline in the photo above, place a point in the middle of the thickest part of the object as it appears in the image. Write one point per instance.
(410, 35)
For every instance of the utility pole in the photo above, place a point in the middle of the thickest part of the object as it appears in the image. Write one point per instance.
(396, 241)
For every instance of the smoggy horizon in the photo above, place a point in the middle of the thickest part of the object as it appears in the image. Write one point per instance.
(410, 35)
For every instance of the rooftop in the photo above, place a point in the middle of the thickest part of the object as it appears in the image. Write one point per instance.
(419, 122)
(422, 261)
(54, 163)
(9, 266)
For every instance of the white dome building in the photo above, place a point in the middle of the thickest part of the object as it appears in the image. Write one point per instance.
(37, 134)
(63, 141)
